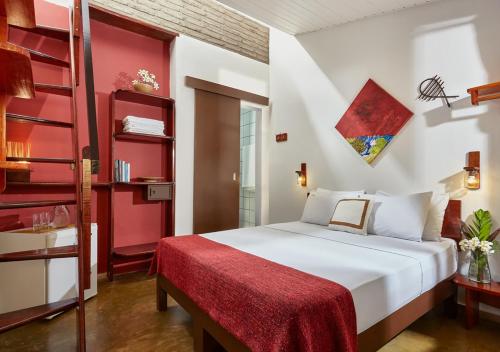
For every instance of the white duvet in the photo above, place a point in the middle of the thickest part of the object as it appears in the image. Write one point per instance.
(382, 273)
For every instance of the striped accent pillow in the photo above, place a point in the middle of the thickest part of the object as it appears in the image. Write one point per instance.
(351, 215)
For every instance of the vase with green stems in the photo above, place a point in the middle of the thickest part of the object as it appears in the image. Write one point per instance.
(480, 242)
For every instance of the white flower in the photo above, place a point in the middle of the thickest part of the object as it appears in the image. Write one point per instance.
(464, 245)
(486, 247)
(474, 243)
(146, 78)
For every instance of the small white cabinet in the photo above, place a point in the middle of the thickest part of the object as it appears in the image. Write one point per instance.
(35, 282)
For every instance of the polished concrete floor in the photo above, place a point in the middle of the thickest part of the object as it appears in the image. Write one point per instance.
(123, 317)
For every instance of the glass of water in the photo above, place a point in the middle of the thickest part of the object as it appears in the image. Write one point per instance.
(45, 220)
(36, 223)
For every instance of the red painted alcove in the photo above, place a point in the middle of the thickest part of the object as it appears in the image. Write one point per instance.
(117, 55)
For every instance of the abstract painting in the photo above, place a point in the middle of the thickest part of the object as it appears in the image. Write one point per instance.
(372, 121)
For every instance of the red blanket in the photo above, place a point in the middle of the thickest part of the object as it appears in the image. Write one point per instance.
(267, 306)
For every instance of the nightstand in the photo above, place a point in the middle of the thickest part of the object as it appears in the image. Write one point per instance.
(475, 293)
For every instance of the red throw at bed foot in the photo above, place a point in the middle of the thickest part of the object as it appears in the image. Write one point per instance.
(267, 306)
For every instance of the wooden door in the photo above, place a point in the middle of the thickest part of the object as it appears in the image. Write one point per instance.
(216, 162)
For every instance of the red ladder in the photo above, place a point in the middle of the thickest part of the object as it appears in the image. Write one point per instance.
(81, 169)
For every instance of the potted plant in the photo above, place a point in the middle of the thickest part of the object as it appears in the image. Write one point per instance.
(146, 82)
(480, 241)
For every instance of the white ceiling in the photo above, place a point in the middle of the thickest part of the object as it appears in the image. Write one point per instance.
(302, 16)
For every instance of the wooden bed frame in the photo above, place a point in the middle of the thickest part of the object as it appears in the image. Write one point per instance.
(209, 336)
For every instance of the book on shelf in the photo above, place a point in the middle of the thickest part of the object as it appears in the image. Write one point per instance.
(122, 171)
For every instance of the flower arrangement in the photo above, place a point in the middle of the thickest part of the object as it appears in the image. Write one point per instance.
(480, 241)
(146, 81)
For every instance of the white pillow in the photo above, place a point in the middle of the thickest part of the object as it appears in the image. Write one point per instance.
(351, 215)
(435, 217)
(345, 194)
(319, 208)
(400, 216)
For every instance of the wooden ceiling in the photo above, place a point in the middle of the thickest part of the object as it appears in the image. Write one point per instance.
(302, 16)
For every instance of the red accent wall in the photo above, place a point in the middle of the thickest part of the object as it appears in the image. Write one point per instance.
(117, 55)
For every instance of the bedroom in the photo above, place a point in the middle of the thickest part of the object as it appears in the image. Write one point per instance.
(281, 84)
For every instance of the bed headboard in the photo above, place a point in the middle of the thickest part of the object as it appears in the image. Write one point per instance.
(453, 220)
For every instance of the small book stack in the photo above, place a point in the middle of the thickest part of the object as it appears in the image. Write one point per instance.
(133, 124)
(122, 171)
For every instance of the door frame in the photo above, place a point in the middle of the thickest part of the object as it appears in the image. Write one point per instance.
(262, 138)
(260, 167)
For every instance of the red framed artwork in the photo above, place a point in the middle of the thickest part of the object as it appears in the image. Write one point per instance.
(372, 121)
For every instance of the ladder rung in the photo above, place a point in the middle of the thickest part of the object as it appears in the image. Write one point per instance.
(45, 253)
(12, 165)
(35, 204)
(47, 59)
(53, 89)
(42, 160)
(52, 32)
(40, 184)
(37, 120)
(21, 317)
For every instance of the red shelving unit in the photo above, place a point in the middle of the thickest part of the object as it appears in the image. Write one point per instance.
(138, 256)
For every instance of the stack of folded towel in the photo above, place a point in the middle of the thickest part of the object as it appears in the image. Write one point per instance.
(142, 125)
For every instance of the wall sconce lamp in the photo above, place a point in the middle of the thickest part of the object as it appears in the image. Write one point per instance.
(302, 175)
(472, 172)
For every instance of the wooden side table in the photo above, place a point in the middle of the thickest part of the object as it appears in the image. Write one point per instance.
(474, 293)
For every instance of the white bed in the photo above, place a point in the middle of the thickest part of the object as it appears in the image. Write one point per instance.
(382, 273)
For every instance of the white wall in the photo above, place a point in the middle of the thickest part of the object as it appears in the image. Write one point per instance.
(315, 77)
(191, 57)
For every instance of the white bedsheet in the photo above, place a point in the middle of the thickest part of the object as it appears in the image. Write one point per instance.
(382, 273)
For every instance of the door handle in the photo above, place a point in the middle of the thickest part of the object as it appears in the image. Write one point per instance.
(235, 177)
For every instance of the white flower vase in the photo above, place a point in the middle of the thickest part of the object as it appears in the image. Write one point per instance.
(479, 268)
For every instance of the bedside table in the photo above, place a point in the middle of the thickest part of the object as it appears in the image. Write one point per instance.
(475, 293)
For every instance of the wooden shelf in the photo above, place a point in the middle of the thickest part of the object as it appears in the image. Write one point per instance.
(51, 32)
(484, 93)
(101, 184)
(21, 317)
(45, 253)
(37, 120)
(138, 257)
(137, 250)
(16, 79)
(143, 98)
(42, 160)
(142, 137)
(13, 165)
(47, 59)
(53, 89)
(19, 12)
(35, 204)
(143, 183)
